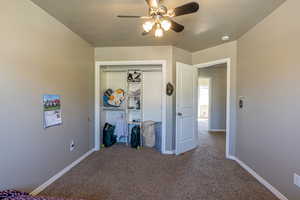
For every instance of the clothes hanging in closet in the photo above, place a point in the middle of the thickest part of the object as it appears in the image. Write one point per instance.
(121, 129)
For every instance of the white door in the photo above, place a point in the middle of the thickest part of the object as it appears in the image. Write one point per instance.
(186, 108)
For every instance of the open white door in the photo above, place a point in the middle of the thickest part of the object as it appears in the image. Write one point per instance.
(186, 108)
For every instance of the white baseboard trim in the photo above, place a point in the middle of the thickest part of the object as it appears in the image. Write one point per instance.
(169, 152)
(260, 179)
(230, 157)
(217, 130)
(60, 174)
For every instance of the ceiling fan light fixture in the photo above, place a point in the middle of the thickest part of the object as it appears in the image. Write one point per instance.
(166, 24)
(160, 18)
(225, 38)
(147, 26)
(159, 32)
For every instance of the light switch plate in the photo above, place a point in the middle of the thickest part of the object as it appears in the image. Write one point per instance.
(297, 180)
(241, 102)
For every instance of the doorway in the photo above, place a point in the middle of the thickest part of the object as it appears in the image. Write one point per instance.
(187, 106)
(144, 65)
(212, 107)
(224, 119)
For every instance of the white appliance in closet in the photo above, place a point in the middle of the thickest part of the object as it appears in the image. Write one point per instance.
(115, 77)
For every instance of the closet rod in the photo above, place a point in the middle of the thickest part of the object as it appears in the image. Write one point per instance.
(125, 70)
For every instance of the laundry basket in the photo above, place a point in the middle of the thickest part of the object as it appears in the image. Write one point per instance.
(149, 133)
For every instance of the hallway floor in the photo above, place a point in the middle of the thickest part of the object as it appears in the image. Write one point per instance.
(215, 141)
(122, 173)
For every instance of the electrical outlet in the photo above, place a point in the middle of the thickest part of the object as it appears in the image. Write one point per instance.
(297, 180)
(72, 145)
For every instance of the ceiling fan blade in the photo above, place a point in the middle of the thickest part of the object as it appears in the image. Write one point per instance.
(153, 3)
(176, 27)
(186, 9)
(133, 16)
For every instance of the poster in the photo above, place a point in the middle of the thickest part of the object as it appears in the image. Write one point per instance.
(52, 110)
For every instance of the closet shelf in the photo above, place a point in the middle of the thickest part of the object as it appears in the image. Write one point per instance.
(134, 109)
(135, 123)
(134, 96)
(134, 82)
(112, 109)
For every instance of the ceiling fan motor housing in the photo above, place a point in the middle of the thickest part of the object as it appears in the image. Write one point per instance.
(160, 11)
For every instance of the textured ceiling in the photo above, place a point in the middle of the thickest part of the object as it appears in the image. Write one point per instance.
(96, 21)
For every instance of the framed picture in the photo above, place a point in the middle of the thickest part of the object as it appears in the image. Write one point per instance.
(134, 76)
(52, 110)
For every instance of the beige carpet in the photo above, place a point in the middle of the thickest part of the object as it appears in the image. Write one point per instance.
(122, 173)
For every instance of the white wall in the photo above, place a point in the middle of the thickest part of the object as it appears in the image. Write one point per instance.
(152, 97)
(115, 80)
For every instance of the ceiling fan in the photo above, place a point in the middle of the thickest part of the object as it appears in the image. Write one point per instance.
(159, 18)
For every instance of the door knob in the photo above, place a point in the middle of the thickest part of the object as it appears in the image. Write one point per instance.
(179, 114)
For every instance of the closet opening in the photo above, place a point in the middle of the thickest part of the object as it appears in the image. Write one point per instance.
(130, 105)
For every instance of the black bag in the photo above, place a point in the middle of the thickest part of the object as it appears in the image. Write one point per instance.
(135, 138)
(109, 138)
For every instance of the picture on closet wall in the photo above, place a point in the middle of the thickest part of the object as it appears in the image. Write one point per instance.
(134, 76)
(113, 98)
(52, 110)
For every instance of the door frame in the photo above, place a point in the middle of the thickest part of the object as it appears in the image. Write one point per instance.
(209, 100)
(228, 98)
(98, 65)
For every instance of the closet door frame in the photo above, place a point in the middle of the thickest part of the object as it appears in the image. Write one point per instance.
(97, 126)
